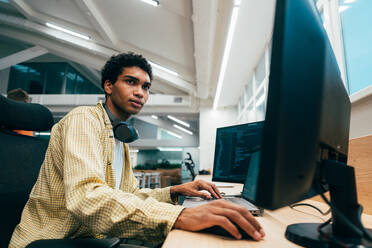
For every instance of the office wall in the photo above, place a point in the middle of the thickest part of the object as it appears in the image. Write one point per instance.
(360, 149)
(209, 121)
(145, 130)
(360, 157)
(361, 118)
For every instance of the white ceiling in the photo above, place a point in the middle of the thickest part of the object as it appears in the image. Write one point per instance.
(186, 36)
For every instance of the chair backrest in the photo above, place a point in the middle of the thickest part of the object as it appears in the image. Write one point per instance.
(20, 159)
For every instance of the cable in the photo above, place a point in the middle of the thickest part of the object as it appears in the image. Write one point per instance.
(309, 205)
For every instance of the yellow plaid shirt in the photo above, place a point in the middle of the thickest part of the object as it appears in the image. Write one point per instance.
(75, 193)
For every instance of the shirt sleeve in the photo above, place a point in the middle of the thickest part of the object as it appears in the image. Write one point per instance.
(162, 194)
(99, 207)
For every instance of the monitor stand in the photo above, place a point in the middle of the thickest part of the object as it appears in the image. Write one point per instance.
(342, 187)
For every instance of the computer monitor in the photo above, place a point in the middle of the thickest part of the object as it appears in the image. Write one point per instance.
(234, 145)
(306, 130)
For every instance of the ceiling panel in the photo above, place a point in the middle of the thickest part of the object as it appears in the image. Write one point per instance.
(66, 10)
(159, 30)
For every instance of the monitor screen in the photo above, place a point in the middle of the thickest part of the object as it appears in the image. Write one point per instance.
(234, 146)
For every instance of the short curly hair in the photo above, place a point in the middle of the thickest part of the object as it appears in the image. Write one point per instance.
(115, 65)
(18, 95)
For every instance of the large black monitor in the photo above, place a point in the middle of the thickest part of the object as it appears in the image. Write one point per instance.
(234, 146)
(306, 131)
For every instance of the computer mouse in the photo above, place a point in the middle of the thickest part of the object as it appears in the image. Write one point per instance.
(217, 230)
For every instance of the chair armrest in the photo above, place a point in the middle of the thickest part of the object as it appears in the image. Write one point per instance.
(75, 243)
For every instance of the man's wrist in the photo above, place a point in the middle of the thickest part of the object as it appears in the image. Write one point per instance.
(175, 191)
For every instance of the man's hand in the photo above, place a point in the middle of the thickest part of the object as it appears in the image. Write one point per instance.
(220, 213)
(193, 188)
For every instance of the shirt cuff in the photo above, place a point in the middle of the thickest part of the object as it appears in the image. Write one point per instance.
(166, 195)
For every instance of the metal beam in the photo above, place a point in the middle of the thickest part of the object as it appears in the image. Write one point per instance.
(98, 21)
(204, 23)
(39, 17)
(57, 48)
(22, 56)
(174, 81)
(91, 49)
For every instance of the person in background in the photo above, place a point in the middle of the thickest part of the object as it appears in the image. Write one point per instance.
(86, 186)
(20, 95)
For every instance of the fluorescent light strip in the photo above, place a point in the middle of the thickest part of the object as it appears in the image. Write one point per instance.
(170, 149)
(43, 133)
(154, 117)
(342, 8)
(178, 121)
(163, 69)
(182, 129)
(151, 2)
(226, 54)
(174, 134)
(85, 37)
(133, 150)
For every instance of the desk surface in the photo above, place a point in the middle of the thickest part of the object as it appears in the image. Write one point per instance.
(273, 222)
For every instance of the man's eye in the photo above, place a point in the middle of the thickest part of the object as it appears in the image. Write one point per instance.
(146, 87)
(130, 81)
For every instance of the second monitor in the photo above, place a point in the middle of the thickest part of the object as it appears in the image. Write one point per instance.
(234, 146)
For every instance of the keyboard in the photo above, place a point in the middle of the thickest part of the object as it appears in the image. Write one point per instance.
(197, 201)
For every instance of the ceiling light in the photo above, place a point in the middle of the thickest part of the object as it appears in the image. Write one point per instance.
(174, 134)
(349, 1)
(154, 117)
(43, 133)
(343, 8)
(151, 2)
(170, 149)
(85, 37)
(225, 58)
(178, 121)
(134, 150)
(183, 129)
(163, 68)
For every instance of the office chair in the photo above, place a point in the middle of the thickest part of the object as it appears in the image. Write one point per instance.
(20, 160)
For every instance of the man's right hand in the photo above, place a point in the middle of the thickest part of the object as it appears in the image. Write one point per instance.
(220, 213)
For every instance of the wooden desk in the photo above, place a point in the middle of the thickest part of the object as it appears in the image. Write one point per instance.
(273, 222)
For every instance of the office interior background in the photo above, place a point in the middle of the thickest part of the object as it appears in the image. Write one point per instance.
(211, 63)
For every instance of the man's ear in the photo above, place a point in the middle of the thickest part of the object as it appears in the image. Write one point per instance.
(107, 86)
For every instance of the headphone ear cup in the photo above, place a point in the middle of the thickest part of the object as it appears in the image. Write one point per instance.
(125, 133)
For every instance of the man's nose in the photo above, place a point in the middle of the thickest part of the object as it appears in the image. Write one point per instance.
(138, 91)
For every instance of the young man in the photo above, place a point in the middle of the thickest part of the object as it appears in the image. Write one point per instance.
(75, 194)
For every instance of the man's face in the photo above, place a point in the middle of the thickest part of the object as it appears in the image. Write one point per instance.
(129, 93)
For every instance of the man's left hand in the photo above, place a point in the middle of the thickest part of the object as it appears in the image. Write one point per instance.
(193, 189)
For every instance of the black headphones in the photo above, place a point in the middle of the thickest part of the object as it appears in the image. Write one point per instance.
(122, 130)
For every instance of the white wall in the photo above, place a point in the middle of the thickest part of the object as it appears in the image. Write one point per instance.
(361, 118)
(208, 123)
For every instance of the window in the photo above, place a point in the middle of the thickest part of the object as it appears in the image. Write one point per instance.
(356, 19)
(50, 78)
(252, 103)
